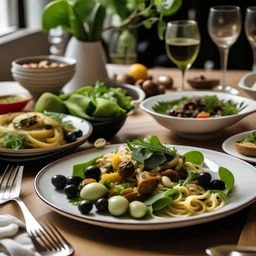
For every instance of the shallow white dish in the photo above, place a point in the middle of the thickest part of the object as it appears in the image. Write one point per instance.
(242, 195)
(229, 146)
(246, 83)
(197, 128)
(78, 123)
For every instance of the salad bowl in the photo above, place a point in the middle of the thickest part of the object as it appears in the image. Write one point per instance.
(198, 128)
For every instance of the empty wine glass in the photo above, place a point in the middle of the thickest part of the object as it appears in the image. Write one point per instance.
(224, 27)
(182, 40)
(250, 30)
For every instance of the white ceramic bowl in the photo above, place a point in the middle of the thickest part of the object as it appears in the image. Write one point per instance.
(197, 128)
(246, 83)
(40, 80)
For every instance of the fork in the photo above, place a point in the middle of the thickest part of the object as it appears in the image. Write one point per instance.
(47, 240)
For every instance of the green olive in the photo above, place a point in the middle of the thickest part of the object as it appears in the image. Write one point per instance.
(93, 191)
(137, 209)
(117, 205)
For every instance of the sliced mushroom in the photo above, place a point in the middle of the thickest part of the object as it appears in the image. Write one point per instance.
(146, 183)
(171, 174)
(134, 196)
(126, 169)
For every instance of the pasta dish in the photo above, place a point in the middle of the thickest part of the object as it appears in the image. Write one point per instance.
(188, 198)
(146, 176)
(30, 130)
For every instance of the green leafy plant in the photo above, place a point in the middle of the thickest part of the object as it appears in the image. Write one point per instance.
(150, 151)
(84, 19)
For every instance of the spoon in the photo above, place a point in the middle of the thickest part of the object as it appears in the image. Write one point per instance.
(231, 250)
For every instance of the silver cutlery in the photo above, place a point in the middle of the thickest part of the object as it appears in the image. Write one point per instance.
(231, 250)
(47, 240)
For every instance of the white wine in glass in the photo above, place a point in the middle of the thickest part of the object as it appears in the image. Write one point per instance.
(224, 27)
(182, 40)
(250, 30)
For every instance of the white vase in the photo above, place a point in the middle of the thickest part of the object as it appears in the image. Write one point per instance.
(90, 65)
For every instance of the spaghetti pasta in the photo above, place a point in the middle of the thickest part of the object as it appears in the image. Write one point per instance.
(36, 130)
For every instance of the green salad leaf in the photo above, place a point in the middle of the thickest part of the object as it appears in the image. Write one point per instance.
(227, 177)
(58, 117)
(12, 141)
(150, 151)
(221, 193)
(162, 199)
(195, 157)
(211, 102)
(78, 169)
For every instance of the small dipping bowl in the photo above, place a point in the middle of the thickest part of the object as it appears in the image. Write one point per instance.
(13, 103)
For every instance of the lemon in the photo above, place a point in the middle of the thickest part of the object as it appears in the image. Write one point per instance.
(138, 71)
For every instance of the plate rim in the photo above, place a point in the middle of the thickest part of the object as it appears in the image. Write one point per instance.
(239, 156)
(197, 219)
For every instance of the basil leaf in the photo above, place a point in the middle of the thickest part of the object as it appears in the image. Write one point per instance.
(153, 199)
(161, 203)
(137, 154)
(155, 160)
(227, 177)
(195, 157)
(221, 193)
(78, 169)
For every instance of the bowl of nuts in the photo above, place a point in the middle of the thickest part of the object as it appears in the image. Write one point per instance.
(43, 73)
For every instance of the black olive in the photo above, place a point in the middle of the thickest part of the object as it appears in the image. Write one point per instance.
(93, 172)
(85, 206)
(78, 133)
(70, 137)
(102, 204)
(59, 181)
(204, 179)
(71, 191)
(75, 180)
(217, 184)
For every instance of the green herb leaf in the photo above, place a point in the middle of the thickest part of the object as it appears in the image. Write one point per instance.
(13, 141)
(78, 169)
(195, 157)
(155, 160)
(221, 193)
(75, 201)
(251, 138)
(162, 199)
(150, 151)
(107, 184)
(227, 177)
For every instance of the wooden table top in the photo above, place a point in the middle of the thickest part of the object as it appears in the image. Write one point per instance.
(96, 241)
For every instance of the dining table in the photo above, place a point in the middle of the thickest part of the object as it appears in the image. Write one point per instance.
(238, 228)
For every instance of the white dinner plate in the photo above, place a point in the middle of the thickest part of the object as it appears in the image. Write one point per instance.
(242, 195)
(77, 122)
(229, 146)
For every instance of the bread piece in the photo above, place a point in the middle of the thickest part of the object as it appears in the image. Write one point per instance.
(246, 148)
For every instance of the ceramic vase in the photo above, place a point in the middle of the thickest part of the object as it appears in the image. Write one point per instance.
(90, 65)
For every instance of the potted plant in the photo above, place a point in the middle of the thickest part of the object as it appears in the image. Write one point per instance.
(84, 20)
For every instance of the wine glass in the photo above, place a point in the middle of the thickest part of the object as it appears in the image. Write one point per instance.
(182, 41)
(224, 27)
(250, 30)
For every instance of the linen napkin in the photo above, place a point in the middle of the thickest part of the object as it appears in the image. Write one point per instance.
(14, 240)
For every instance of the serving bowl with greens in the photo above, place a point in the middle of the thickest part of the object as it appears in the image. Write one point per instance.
(198, 115)
(105, 105)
